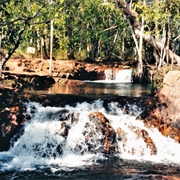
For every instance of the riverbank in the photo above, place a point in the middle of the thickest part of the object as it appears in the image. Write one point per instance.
(19, 73)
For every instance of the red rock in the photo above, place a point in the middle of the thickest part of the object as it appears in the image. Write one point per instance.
(102, 124)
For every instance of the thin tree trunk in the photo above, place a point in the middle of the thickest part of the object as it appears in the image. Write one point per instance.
(51, 48)
(156, 56)
(163, 50)
(138, 47)
(42, 44)
(134, 36)
(168, 39)
(113, 45)
(155, 53)
(140, 65)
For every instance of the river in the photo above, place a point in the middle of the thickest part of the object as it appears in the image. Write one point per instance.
(42, 151)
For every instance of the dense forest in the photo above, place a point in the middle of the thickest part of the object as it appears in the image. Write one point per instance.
(142, 31)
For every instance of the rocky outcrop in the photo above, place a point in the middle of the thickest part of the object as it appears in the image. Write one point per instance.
(11, 120)
(170, 96)
(163, 111)
(35, 72)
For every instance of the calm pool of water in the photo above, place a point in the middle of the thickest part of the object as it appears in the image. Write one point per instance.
(98, 88)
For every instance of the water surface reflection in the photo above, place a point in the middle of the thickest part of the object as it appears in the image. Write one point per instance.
(98, 88)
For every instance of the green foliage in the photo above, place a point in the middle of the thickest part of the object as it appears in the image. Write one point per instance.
(82, 28)
(158, 12)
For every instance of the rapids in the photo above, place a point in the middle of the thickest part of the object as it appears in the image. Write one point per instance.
(54, 139)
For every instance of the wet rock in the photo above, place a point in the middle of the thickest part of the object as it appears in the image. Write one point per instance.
(107, 136)
(69, 81)
(122, 137)
(120, 134)
(163, 111)
(11, 120)
(149, 142)
(165, 129)
(12, 117)
(64, 129)
(168, 130)
(74, 118)
(61, 115)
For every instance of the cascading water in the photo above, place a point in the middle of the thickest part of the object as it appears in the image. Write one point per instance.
(124, 75)
(118, 76)
(65, 138)
(109, 74)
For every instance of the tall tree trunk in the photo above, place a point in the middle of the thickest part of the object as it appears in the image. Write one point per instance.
(51, 46)
(168, 38)
(140, 65)
(133, 18)
(163, 50)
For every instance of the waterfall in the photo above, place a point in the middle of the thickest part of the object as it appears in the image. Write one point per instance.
(124, 75)
(66, 137)
(119, 76)
(109, 74)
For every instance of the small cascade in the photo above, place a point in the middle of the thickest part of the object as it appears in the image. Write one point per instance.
(124, 75)
(119, 76)
(68, 137)
(109, 74)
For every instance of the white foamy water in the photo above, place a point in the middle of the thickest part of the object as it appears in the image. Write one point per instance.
(116, 76)
(43, 144)
(124, 76)
(120, 76)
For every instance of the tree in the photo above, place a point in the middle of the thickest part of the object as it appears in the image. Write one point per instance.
(16, 17)
(92, 26)
(133, 18)
(19, 19)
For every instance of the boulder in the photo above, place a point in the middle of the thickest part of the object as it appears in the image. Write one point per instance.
(99, 134)
(169, 95)
(163, 111)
